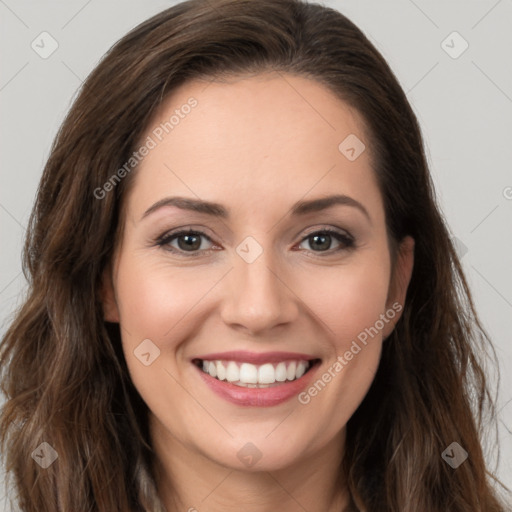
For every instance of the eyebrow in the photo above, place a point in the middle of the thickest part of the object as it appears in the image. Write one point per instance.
(217, 210)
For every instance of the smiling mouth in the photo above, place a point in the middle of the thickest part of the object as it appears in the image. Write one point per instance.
(250, 375)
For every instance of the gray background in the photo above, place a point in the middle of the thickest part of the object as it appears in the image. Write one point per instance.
(464, 105)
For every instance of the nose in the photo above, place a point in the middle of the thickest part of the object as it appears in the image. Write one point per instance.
(257, 296)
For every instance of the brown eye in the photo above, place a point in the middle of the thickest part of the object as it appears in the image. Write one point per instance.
(321, 241)
(187, 241)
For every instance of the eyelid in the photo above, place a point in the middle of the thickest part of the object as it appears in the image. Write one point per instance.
(326, 228)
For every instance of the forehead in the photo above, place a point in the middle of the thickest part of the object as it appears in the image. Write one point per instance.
(253, 138)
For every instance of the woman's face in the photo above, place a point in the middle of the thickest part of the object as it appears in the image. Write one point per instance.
(258, 293)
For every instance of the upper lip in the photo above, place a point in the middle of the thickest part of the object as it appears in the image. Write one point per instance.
(255, 357)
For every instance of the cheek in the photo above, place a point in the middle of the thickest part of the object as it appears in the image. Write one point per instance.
(350, 305)
(348, 299)
(154, 302)
(142, 299)
(154, 299)
(164, 304)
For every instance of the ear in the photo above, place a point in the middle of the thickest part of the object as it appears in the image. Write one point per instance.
(399, 282)
(108, 298)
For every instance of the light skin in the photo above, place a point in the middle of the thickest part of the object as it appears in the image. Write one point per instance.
(255, 145)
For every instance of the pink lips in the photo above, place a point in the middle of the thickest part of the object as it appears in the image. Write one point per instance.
(257, 397)
(255, 358)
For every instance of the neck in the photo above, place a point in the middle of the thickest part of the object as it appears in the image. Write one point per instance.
(189, 481)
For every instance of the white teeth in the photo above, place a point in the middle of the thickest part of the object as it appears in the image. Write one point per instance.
(250, 375)
(232, 372)
(281, 372)
(301, 369)
(266, 374)
(290, 372)
(212, 369)
(243, 385)
(221, 371)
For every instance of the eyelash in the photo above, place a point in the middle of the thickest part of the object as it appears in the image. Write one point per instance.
(164, 240)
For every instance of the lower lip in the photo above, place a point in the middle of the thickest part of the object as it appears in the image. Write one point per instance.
(257, 397)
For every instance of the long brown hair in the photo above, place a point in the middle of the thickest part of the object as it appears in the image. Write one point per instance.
(63, 369)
